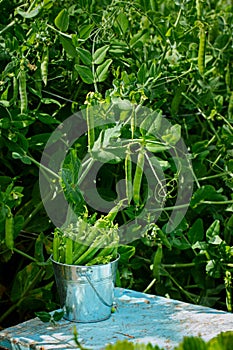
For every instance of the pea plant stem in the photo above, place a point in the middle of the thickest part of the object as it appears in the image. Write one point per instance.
(33, 213)
(150, 285)
(214, 176)
(188, 295)
(7, 27)
(217, 202)
(24, 254)
(43, 167)
(178, 266)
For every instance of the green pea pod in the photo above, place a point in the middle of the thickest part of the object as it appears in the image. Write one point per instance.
(157, 262)
(90, 128)
(198, 8)
(44, 65)
(228, 287)
(132, 122)
(128, 177)
(230, 106)
(69, 251)
(23, 91)
(82, 248)
(201, 50)
(56, 243)
(228, 78)
(15, 90)
(138, 176)
(113, 212)
(91, 251)
(164, 238)
(39, 247)
(62, 254)
(177, 98)
(9, 231)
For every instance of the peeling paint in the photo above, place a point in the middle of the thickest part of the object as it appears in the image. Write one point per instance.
(139, 317)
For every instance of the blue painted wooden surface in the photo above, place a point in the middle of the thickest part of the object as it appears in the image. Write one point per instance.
(139, 318)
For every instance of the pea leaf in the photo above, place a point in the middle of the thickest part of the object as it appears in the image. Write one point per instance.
(206, 193)
(212, 233)
(68, 46)
(85, 31)
(85, 74)
(100, 54)
(102, 70)
(85, 56)
(122, 22)
(57, 316)
(62, 20)
(172, 135)
(106, 148)
(126, 252)
(23, 281)
(44, 316)
(196, 232)
(142, 73)
(151, 124)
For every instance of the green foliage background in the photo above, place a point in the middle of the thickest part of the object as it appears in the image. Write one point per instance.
(171, 56)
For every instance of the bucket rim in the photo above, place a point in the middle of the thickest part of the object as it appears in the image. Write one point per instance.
(83, 266)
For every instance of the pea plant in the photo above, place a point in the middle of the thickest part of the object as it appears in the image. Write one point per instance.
(62, 57)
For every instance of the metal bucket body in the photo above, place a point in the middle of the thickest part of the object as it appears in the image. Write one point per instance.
(86, 292)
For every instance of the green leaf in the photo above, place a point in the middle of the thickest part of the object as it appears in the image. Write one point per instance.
(85, 31)
(212, 233)
(47, 119)
(62, 20)
(140, 37)
(24, 281)
(106, 148)
(44, 316)
(23, 158)
(222, 341)
(57, 316)
(39, 245)
(85, 56)
(172, 135)
(68, 46)
(85, 73)
(207, 192)
(142, 72)
(102, 70)
(151, 124)
(122, 22)
(38, 141)
(120, 345)
(126, 252)
(100, 54)
(196, 232)
(192, 343)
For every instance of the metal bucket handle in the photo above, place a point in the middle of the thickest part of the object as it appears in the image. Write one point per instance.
(93, 287)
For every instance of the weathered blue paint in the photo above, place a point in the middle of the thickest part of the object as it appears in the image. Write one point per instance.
(139, 318)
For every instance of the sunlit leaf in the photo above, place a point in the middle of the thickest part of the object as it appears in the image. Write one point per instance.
(102, 70)
(62, 20)
(85, 73)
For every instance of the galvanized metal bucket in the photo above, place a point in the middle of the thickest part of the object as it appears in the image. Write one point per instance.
(86, 292)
